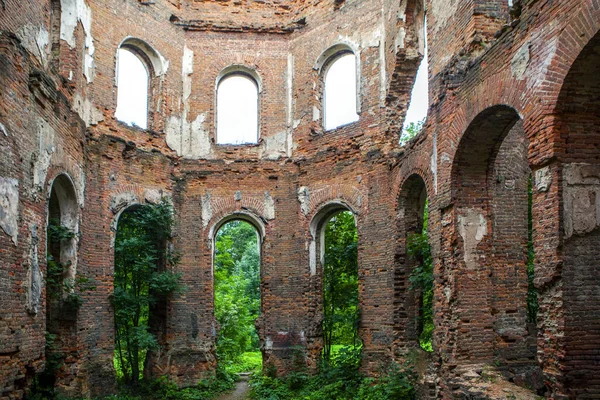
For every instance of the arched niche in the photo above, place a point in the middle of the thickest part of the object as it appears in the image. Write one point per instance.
(490, 180)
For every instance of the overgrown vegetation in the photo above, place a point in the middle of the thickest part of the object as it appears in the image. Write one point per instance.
(341, 315)
(163, 389)
(421, 279)
(142, 283)
(338, 376)
(237, 296)
(339, 379)
(411, 130)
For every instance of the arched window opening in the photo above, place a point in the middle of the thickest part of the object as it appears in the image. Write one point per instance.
(418, 299)
(62, 291)
(340, 295)
(237, 295)
(490, 178)
(340, 96)
(143, 283)
(237, 110)
(132, 89)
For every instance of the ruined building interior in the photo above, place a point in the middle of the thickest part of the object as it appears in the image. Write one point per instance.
(514, 93)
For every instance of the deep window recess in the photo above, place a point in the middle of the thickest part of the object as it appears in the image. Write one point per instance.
(237, 110)
(132, 89)
(340, 92)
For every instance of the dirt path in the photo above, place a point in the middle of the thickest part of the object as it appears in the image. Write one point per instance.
(241, 392)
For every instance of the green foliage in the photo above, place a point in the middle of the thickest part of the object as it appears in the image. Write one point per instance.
(250, 361)
(338, 379)
(237, 295)
(64, 291)
(421, 278)
(163, 389)
(141, 281)
(411, 131)
(532, 294)
(341, 316)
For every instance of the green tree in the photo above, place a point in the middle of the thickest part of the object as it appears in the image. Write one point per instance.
(411, 130)
(237, 290)
(341, 314)
(421, 278)
(142, 281)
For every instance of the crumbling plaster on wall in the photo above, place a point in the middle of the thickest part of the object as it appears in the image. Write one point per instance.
(36, 39)
(35, 279)
(74, 12)
(9, 207)
(188, 139)
(472, 227)
(581, 196)
(87, 111)
(40, 159)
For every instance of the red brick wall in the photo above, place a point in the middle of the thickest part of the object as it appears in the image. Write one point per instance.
(477, 63)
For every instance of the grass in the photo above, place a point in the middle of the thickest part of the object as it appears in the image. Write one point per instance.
(250, 361)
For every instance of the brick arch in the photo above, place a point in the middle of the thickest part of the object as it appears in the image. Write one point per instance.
(219, 207)
(404, 174)
(257, 221)
(313, 199)
(129, 195)
(410, 204)
(486, 228)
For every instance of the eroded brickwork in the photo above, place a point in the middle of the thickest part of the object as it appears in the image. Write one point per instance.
(513, 92)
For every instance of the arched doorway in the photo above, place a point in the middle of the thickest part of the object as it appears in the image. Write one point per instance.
(579, 118)
(334, 260)
(62, 294)
(490, 181)
(414, 272)
(237, 294)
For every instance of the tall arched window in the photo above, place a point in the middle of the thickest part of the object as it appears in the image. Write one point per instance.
(340, 91)
(132, 86)
(237, 109)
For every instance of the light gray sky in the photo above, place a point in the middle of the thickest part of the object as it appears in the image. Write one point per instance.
(132, 93)
(237, 110)
(340, 92)
(419, 99)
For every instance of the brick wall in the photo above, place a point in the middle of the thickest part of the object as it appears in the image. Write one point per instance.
(57, 102)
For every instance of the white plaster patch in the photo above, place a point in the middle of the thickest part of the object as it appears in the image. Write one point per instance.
(3, 130)
(316, 113)
(73, 13)
(304, 199)
(581, 198)
(188, 139)
(87, 111)
(40, 159)
(35, 39)
(35, 278)
(399, 40)
(472, 227)
(269, 206)
(543, 179)
(443, 12)
(9, 207)
(206, 210)
(153, 196)
(520, 61)
(275, 146)
(122, 200)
